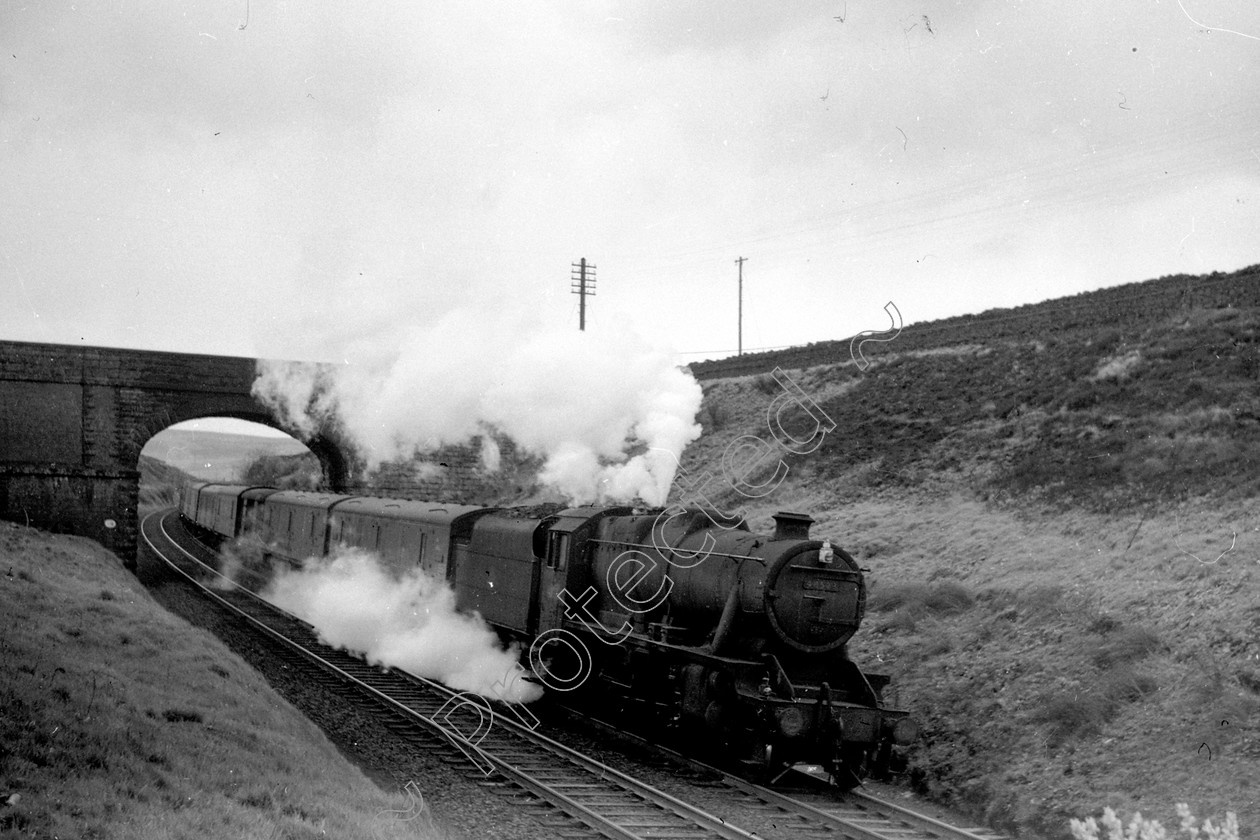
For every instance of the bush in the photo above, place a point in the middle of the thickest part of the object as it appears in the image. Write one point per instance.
(1140, 829)
(902, 619)
(883, 598)
(949, 597)
(182, 716)
(945, 598)
(1125, 646)
(766, 384)
(1085, 711)
(1074, 714)
(1124, 685)
(288, 472)
(714, 416)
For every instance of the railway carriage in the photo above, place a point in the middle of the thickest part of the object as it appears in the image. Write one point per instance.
(294, 523)
(515, 566)
(250, 520)
(404, 534)
(217, 507)
(188, 494)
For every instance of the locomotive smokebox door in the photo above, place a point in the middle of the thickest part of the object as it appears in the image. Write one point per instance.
(813, 607)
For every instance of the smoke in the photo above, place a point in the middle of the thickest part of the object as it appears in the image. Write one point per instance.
(244, 562)
(609, 414)
(490, 454)
(300, 395)
(408, 622)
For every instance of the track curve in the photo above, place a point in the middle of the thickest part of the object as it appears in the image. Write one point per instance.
(592, 795)
(807, 810)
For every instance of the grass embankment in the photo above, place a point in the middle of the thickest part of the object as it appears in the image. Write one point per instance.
(1043, 521)
(1056, 668)
(120, 720)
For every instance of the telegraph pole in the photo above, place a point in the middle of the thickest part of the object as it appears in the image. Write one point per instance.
(583, 277)
(740, 262)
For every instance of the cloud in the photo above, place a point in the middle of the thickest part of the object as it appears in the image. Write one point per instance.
(174, 180)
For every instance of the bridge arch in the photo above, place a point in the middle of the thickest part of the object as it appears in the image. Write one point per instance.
(73, 421)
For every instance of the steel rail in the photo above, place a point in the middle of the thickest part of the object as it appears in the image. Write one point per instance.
(656, 803)
(887, 820)
(922, 822)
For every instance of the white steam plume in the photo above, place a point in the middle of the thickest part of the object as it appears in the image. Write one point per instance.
(408, 623)
(585, 401)
(490, 454)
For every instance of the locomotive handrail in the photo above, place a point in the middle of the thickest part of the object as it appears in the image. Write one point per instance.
(628, 544)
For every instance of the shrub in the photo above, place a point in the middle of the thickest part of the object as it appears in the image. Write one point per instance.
(1124, 685)
(1123, 646)
(1118, 367)
(948, 597)
(288, 472)
(1042, 601)
(883, 598)
(1249, 679)
(182, 716)
(902, 619)
(766, 384)
(1140, 829)
(714, 416)
(945, 598)
(1074, 714)
(1104, 623)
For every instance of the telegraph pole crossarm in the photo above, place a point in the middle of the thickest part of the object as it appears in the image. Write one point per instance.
(583, 277)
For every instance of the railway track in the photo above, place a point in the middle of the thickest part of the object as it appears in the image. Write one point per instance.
(808, 809)
(590, 798)
(567, 792)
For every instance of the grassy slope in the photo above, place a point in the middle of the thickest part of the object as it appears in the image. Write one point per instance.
(216, 456)
(1030, 511)
(160, 484)
(119, 720)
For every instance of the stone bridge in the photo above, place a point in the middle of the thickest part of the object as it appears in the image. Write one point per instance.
(73, 420)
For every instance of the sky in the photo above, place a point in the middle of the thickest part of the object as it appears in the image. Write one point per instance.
(310, 180)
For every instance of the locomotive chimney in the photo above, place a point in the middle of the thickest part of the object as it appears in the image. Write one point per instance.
(791, 526)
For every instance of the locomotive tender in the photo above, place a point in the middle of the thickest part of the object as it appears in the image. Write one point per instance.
(677, 616)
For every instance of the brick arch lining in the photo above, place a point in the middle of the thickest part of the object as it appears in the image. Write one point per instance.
(335, 457)
(162, 416)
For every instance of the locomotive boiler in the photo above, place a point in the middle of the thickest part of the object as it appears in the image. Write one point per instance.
(681, 620)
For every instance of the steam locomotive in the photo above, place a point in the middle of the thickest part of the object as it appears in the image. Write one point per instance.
(679, 617)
